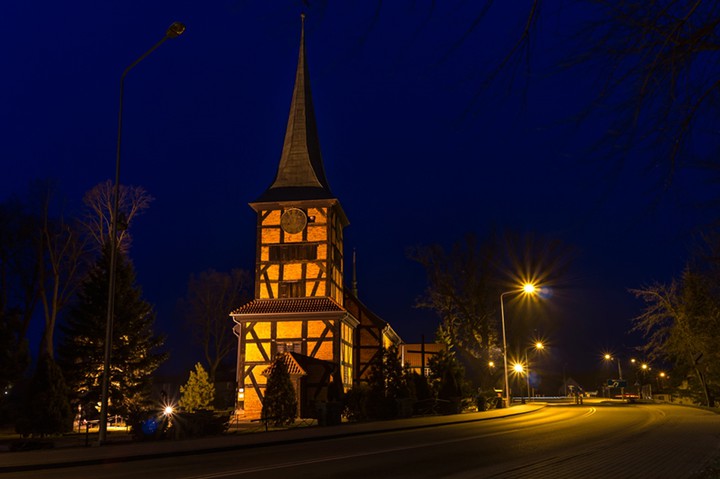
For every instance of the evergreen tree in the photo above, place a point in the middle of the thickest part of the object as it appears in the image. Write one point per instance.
(421, 386)
(280, 402)
(397, 379)
(446, 375)
(46, 409)
(14, 359)
(134, 345)
(198, 392)
(387, 382)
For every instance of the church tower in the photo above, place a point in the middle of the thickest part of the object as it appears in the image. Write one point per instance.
(300, 222)
(298, 306)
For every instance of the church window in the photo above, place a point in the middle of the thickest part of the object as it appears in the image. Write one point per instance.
(291, 289)
(293, 252)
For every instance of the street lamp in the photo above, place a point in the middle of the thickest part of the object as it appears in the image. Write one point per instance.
(174, 31)
(538, 346)
(620, 378)
(527, 288)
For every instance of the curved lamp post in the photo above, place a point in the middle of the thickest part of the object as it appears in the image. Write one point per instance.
(526, 289)
(174, 31)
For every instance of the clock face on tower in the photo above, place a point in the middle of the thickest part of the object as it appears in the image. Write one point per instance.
(293, 220)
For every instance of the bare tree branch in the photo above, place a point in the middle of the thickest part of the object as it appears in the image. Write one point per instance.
(134, 200)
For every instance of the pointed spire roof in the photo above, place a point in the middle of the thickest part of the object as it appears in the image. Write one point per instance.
(300, 174)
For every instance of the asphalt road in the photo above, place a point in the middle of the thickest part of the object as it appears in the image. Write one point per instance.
(594, 441)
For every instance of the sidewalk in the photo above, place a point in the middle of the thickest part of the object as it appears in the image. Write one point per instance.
(76, 454)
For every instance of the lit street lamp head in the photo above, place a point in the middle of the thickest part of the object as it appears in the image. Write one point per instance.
(529, 288)
(175, 30)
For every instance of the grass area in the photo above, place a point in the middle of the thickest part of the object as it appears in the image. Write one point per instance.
(711, 471)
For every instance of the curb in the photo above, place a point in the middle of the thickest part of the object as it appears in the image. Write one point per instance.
(324, 434)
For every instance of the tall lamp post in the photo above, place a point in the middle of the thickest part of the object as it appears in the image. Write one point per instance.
(538, 346)
(174, 31)
(620, 378)
(527, 289)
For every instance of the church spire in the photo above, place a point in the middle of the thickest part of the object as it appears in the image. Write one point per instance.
(300, 174)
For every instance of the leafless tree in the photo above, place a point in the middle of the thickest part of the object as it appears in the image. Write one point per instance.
(211, 296)
(656, 63)
(680, 323)
(462, 290)
(60, 258)
(659, 62)
(98, 218)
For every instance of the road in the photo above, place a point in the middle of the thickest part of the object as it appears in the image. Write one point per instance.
(621, 441)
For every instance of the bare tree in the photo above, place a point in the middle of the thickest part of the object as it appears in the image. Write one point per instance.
(60, 258)
(211, 296)
(659, 62)
(462, 291)
(655, 62)
(681, 322)
(98, 218)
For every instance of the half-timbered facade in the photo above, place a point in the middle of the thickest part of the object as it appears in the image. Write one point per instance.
(298, 313)
(371, 335)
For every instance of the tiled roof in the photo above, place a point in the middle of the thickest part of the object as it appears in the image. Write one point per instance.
(290, 305)
(293, 368)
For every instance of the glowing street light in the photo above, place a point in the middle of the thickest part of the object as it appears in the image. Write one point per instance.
(538, 346)
(527, 288)
(608, 357)
(174, 31)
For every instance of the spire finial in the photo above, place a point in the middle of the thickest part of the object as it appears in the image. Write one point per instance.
(302, 28)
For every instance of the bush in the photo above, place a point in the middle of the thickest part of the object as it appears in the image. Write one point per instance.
(148, 426)
(197, 424)
(355, 406)
(198, 392)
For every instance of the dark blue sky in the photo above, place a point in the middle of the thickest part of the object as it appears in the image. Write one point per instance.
(415, 148)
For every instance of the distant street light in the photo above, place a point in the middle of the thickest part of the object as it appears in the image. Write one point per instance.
(527, 288)
(174, 31)
(538, 346)
(608, 357)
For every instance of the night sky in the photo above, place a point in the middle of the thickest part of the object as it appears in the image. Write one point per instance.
(417, 146)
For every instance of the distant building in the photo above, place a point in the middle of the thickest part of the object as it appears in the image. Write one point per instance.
(301, 306)
(417, 355)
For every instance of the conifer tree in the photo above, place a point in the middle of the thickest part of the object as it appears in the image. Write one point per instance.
(280, 402)
(135, 353)
(198, 392)
(388, 381)
(46, 409)
(14, 359)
